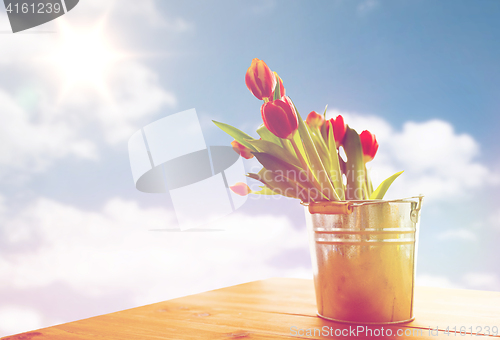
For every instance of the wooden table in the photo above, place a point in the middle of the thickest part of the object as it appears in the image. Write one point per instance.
(276, 309)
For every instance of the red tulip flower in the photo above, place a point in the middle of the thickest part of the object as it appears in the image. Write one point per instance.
(280, 118)
(369, 144)
(282, 88)
(241, 189)
(339, 129)
(314, 119)
(242, 150)
(260, 80)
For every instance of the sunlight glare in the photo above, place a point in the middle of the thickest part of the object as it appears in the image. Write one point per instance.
(84, 57)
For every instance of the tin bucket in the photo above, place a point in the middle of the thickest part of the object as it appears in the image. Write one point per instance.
(364, 257)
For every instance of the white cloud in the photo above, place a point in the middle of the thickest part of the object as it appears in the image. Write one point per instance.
(113, 251)
(34, 137)
(20, 48)
(438, 162)
(39, 126)
(436, 281)
(444, 159)
(135, 96)
(17, 319)
(31, 145)
(457, 234)
(482, 281)
(494, 220)
(471, 280)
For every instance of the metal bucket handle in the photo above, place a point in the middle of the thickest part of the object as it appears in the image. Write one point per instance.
(330, 207)
(346, 207)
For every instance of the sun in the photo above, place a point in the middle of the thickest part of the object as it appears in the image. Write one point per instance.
(84, 57)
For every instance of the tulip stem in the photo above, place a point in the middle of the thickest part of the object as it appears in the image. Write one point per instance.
(286, 145)
(309, 173)
(369, 187)
(365, 190)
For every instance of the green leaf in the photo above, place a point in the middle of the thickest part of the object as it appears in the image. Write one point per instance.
(285, 143)
(277, 90)
(288, 173)
(322, 128)
(342, 165)
(317, 167)
(238, 135)
(287, 170)
(264, 191)
(355, 166)
(369, 184)
(379, 193)
(321, 147)
(335, 173)
(298, 142)
(275, 150)
(265, 134)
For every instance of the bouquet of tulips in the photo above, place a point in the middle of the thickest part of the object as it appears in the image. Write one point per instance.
(301, 159)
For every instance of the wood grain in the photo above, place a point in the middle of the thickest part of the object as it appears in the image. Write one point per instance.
(271, 309)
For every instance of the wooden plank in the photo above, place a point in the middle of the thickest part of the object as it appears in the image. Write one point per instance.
(456, 308)
(434, 307)
(256, 321)
(186, 323)
(269, 309)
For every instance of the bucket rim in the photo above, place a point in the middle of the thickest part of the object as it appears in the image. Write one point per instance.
(364, 202)
(346, 207)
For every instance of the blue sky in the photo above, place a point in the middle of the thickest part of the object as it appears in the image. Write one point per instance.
(423, 76)
(399, 59)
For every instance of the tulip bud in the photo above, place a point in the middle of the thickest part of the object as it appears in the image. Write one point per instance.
(280, 118)
(282, 88)
(314, 119)
(369, 144)
(241, 189)
(242, 150)
(260, 80)
(339, 129)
